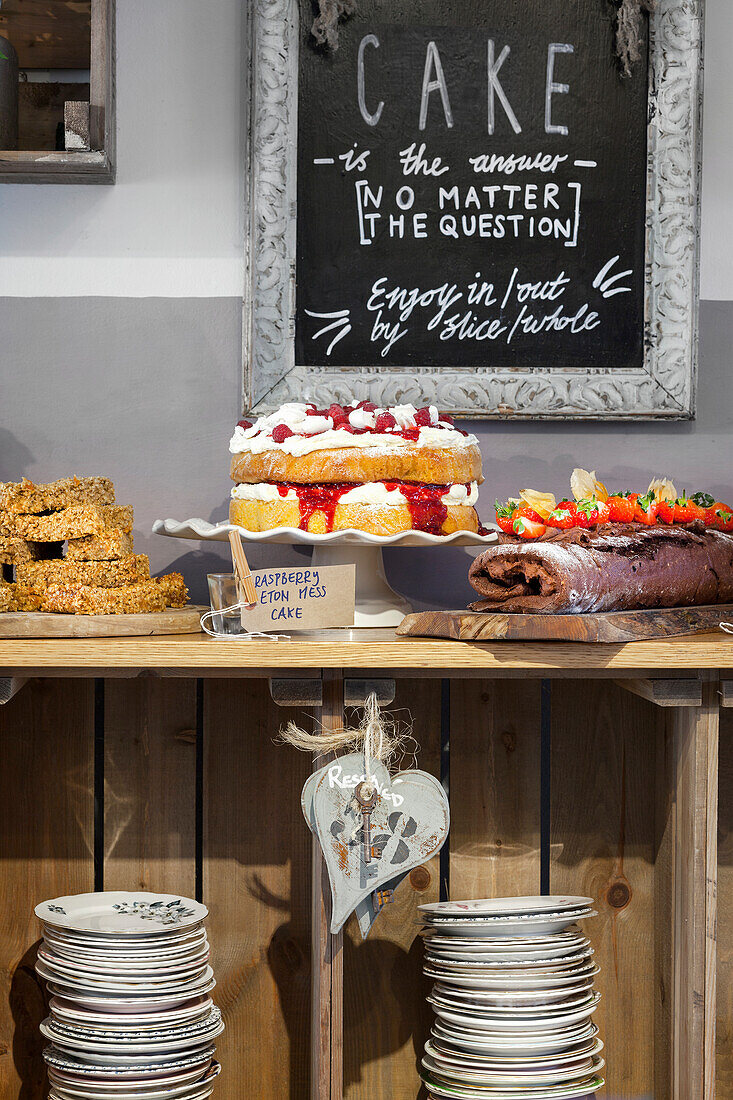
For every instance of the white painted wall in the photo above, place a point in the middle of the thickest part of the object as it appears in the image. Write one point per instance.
(173, 223)
(172, 226)
(716, 275)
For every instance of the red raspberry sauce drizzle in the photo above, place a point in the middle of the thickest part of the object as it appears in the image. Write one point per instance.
(427, 510)
(315, 498)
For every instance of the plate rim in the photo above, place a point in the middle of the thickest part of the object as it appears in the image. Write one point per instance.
(92, 997)
(548, 901)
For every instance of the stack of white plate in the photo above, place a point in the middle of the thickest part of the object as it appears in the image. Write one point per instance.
(513, 1000)
(129, 979)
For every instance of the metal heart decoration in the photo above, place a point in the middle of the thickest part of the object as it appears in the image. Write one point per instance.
(366, 911)
(408, 825)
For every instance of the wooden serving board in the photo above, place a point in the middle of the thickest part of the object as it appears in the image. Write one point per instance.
(610, 626)
(39, 624)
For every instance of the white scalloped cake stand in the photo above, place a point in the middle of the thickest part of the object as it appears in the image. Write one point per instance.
(377, 604)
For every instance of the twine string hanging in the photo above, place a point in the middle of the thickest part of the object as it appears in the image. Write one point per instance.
(325, 27)
(380, 737)
(629, 31)
(373, 736)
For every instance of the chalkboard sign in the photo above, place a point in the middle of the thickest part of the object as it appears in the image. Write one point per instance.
(468, 203)
(472, 195)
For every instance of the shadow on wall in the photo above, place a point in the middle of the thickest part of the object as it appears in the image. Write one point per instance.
(390, 986)
(216, 558)
(15, 455)
(438, 573)
(29, 1007)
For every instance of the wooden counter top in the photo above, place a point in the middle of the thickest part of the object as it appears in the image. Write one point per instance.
(375, 650)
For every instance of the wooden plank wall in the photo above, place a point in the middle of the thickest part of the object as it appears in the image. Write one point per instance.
(150, 785)
(256, 882)
(46, 849)
(602, 844)
(495, 788)
(194, 796)
(386, 1017)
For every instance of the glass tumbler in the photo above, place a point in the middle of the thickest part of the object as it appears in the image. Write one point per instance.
(222, 594)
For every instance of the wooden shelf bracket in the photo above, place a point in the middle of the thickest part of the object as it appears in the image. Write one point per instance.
(665, 693)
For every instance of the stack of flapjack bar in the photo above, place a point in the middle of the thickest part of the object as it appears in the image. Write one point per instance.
(67, 547)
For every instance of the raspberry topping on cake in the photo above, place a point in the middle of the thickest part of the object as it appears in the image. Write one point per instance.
(281, 432)
(337, 413)
(302, 428)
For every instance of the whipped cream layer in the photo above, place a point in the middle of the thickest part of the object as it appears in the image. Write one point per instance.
(375, 492)
(317, 433)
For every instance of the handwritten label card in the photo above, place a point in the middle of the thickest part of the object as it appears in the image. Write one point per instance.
(302, 598)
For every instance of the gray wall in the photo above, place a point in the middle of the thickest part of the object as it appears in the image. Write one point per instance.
(147, 390)
(120, 327)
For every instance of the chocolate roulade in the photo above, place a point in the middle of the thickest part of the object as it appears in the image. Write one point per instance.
(618, 567)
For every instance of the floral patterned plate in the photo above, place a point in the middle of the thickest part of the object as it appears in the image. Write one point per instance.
(479, 927)
(119, 911)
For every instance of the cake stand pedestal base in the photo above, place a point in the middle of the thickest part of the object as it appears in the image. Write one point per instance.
(376, 603)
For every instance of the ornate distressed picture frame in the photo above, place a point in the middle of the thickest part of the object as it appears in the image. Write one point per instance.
(664, 387)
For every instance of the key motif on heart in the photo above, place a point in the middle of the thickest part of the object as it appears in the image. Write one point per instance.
(366, 796)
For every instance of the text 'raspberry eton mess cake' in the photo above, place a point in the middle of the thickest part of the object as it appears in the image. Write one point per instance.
(360, 467)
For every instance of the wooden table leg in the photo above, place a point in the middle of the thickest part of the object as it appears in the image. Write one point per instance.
(695, 755)
(327, 988)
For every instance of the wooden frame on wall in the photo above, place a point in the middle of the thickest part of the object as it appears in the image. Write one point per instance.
(97, 165)
(664, 387)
